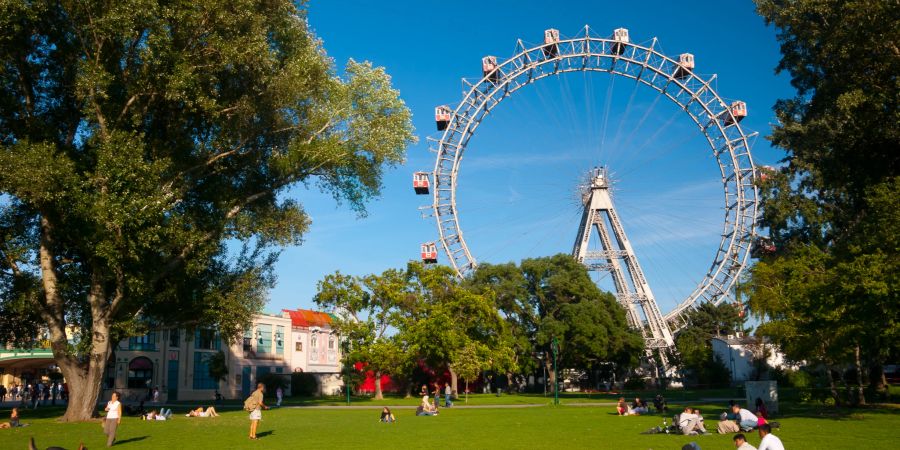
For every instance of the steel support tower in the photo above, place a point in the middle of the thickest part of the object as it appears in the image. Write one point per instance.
(617, 257)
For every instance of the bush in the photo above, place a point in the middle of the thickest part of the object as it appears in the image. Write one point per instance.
(303, 384)
(273, 381)
(635, 384)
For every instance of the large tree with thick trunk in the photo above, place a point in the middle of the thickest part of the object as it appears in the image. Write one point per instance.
(146, 152)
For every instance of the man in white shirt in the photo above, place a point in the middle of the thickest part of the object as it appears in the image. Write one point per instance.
(746, 419)
(689, 422)
(740, 442)
(769, 440)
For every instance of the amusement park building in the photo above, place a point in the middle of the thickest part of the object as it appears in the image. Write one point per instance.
(738, 352)
(178, 364)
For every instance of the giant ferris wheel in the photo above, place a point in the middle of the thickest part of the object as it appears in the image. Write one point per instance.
(673, 78)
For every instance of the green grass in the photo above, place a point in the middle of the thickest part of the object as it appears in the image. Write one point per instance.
(536, 427)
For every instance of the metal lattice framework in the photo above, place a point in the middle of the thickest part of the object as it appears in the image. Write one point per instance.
(644, 64)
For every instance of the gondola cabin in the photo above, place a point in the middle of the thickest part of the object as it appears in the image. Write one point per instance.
(429, 253)
(620, 38)
(764, 172)
(420, 183)
(551, 43)
(685, 65)
(442, 117)
(489, 68)
(762, 246)
(738, 112)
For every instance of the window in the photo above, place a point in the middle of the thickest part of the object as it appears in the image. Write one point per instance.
(279, 340)
(145, 342)
(206, 339)
(331, 342)
(248, 340)
(264, 338)
(202, 379)
(140, 372)
(174, 337)
(298, 346)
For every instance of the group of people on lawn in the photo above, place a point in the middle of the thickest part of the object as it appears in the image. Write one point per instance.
(735, 420)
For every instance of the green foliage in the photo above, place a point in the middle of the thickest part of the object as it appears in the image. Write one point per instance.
(273, 381)
(147, 149)
(218, 366)
(304, 384)
(832, 211)
(554, 297)
(695, 356)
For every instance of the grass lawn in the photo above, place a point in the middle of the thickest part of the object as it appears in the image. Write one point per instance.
(534, 427)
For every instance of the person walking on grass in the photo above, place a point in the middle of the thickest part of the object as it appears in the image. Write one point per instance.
(113, 418)
(255, 405)
(279, 395)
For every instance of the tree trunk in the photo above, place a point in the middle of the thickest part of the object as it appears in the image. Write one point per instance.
(454, 382)
(860, 391)
(467, 390)
(378, 394)
(85, 379)
(876, 378)
(832, 386)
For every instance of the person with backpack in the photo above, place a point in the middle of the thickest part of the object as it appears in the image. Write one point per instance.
(254, 404)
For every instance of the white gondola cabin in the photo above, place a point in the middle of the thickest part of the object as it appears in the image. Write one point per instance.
(738, 112)
(420, 183)
(489, 68)
(442, 117)
(429, 253)
(685, 65)
(551, 43)
(620, 36)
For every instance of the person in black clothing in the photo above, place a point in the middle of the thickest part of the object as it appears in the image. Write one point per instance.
(387, 415)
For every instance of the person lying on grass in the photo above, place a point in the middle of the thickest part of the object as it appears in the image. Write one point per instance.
(199, 412)
(163, 414)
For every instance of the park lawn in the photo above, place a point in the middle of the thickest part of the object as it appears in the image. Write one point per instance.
(531, 427)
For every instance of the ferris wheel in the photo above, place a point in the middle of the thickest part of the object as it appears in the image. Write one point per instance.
(674, 78)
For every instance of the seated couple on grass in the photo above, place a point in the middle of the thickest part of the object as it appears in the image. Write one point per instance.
(427, 408)
(200, 412)
(636, 408)
(739, 419)
(690, 422)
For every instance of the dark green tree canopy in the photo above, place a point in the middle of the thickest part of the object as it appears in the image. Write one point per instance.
(147, 148)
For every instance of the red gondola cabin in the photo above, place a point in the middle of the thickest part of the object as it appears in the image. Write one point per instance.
(685, 65)
(429, 253)
(442, 117)
(489, 68)
(551, 43)
(738, 112)
(420, 183)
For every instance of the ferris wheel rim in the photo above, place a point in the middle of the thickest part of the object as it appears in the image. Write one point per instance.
(702, 100)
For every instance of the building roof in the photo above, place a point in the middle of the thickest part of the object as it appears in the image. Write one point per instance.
(306, 318)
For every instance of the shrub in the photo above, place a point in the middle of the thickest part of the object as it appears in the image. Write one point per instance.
(273, 381)
(303, 384)
(635, 384)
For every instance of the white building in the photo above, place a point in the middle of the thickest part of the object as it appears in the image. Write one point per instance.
(292, 341)
(738, 352)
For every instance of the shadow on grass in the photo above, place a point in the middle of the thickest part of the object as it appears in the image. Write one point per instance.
(265, 433)
(129, 440)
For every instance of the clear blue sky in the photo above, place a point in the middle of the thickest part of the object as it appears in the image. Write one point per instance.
(518, 179)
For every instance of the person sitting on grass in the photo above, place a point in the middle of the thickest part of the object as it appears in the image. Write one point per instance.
(621, 407)
(745, 419)
(200, 412)
(639, 407)
(13, 420)
(740, 442)
(387, 416)
(426, 408)
(769, 441)
(690, 423)
(659, 402)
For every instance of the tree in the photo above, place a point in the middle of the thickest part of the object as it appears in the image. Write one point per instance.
(832, 208)
(370, 306)
(469, 361)
(218, 366)
(695, 355)
(554, 297)
(146, 152)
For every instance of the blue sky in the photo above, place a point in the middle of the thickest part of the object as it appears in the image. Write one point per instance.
(521, 170)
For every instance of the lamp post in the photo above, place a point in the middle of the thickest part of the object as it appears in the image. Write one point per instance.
(554, 346)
